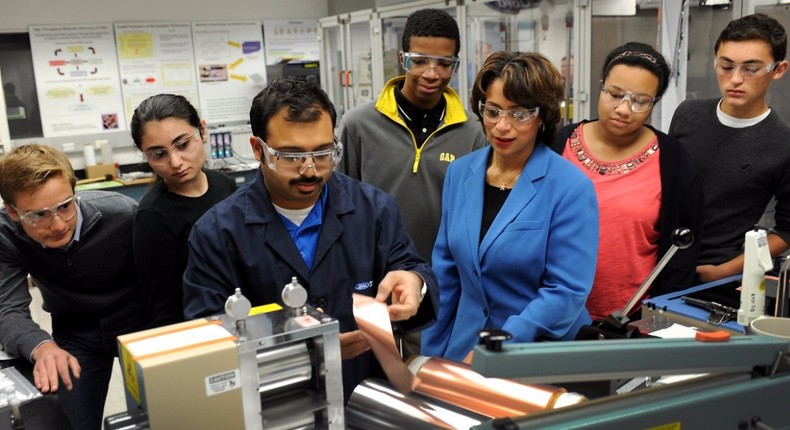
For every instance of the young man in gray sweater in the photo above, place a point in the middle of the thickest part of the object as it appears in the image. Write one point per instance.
(78, 248)
(740, 145)
(404, 141)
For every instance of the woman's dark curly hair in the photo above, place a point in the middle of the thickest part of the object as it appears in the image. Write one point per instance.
(530, 80)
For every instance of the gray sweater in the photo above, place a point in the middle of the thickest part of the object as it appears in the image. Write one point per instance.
(741, 169)
(381, 150)
(90, 278)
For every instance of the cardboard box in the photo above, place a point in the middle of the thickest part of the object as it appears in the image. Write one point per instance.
(99, 171)
(185, 376)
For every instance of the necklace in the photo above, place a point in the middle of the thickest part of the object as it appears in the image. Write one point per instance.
(499, 176)
(617, 168)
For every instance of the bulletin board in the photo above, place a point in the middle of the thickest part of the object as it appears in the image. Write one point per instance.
(91, 77)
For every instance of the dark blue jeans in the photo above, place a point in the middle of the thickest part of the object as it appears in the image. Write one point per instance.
(92, 341)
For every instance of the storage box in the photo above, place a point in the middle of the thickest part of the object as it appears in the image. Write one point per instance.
(185, 376)
(99, 171)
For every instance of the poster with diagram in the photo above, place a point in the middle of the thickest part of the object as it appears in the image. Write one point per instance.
(155, 58)
(77, 80)
(231, 68)
(291, 40)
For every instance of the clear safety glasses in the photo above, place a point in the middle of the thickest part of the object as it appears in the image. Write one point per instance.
(747, 70)
(419, 64)
(614, 96)
(42, 218)
(522, 116)
(296, 162)
(185, 147)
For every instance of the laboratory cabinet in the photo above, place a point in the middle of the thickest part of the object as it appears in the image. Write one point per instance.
(360, 50)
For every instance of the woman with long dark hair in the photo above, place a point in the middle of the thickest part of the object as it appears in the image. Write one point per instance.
(171, 135)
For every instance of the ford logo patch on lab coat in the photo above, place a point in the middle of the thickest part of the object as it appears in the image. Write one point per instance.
(363, 285)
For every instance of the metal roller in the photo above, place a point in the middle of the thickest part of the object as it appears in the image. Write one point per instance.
(284, 368)
(375, 404)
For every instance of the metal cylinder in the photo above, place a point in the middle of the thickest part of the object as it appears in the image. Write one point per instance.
(284, 368)
(375, 404)
(457, 384)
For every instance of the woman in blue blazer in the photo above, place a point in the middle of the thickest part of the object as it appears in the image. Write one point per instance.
(518, 238)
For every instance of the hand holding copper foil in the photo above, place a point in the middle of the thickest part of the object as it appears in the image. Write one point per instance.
(405, 289)
(373, 320)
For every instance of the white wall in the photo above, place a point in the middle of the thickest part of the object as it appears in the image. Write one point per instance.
(17, 15)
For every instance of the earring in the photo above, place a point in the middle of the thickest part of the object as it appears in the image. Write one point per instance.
(542, 128)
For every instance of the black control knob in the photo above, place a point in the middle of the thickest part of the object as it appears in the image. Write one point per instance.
(492, 338)
(682, 238)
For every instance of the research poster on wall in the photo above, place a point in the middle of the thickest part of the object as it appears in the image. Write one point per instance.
(231, 68)
(155, 58)
(77, 81)
(291, 40)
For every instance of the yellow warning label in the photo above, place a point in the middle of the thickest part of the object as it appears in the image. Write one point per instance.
(130, 374)
(670, 426)
(262, 309)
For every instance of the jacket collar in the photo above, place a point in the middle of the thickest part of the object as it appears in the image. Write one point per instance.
(387, 104)
(258, 209)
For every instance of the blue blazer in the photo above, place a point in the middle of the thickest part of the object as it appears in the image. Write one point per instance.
(533, 270)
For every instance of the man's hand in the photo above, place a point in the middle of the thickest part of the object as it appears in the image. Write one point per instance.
(405, 288)
(51, 362)
(352, 344)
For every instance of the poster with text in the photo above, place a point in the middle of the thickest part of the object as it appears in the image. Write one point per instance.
(291, 40)
(76, 73)
(231, 69)
(155, 58)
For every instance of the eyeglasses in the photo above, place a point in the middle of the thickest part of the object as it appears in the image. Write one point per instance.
(516, 116)
(418, 64)
(638, 102)
(42, 218)
(183, 148)
(296, 161)
(747, 70)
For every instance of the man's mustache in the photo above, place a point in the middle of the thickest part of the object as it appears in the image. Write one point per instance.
(306, 180)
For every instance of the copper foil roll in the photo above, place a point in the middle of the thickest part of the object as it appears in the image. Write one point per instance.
(457, 384)
(376, 404)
